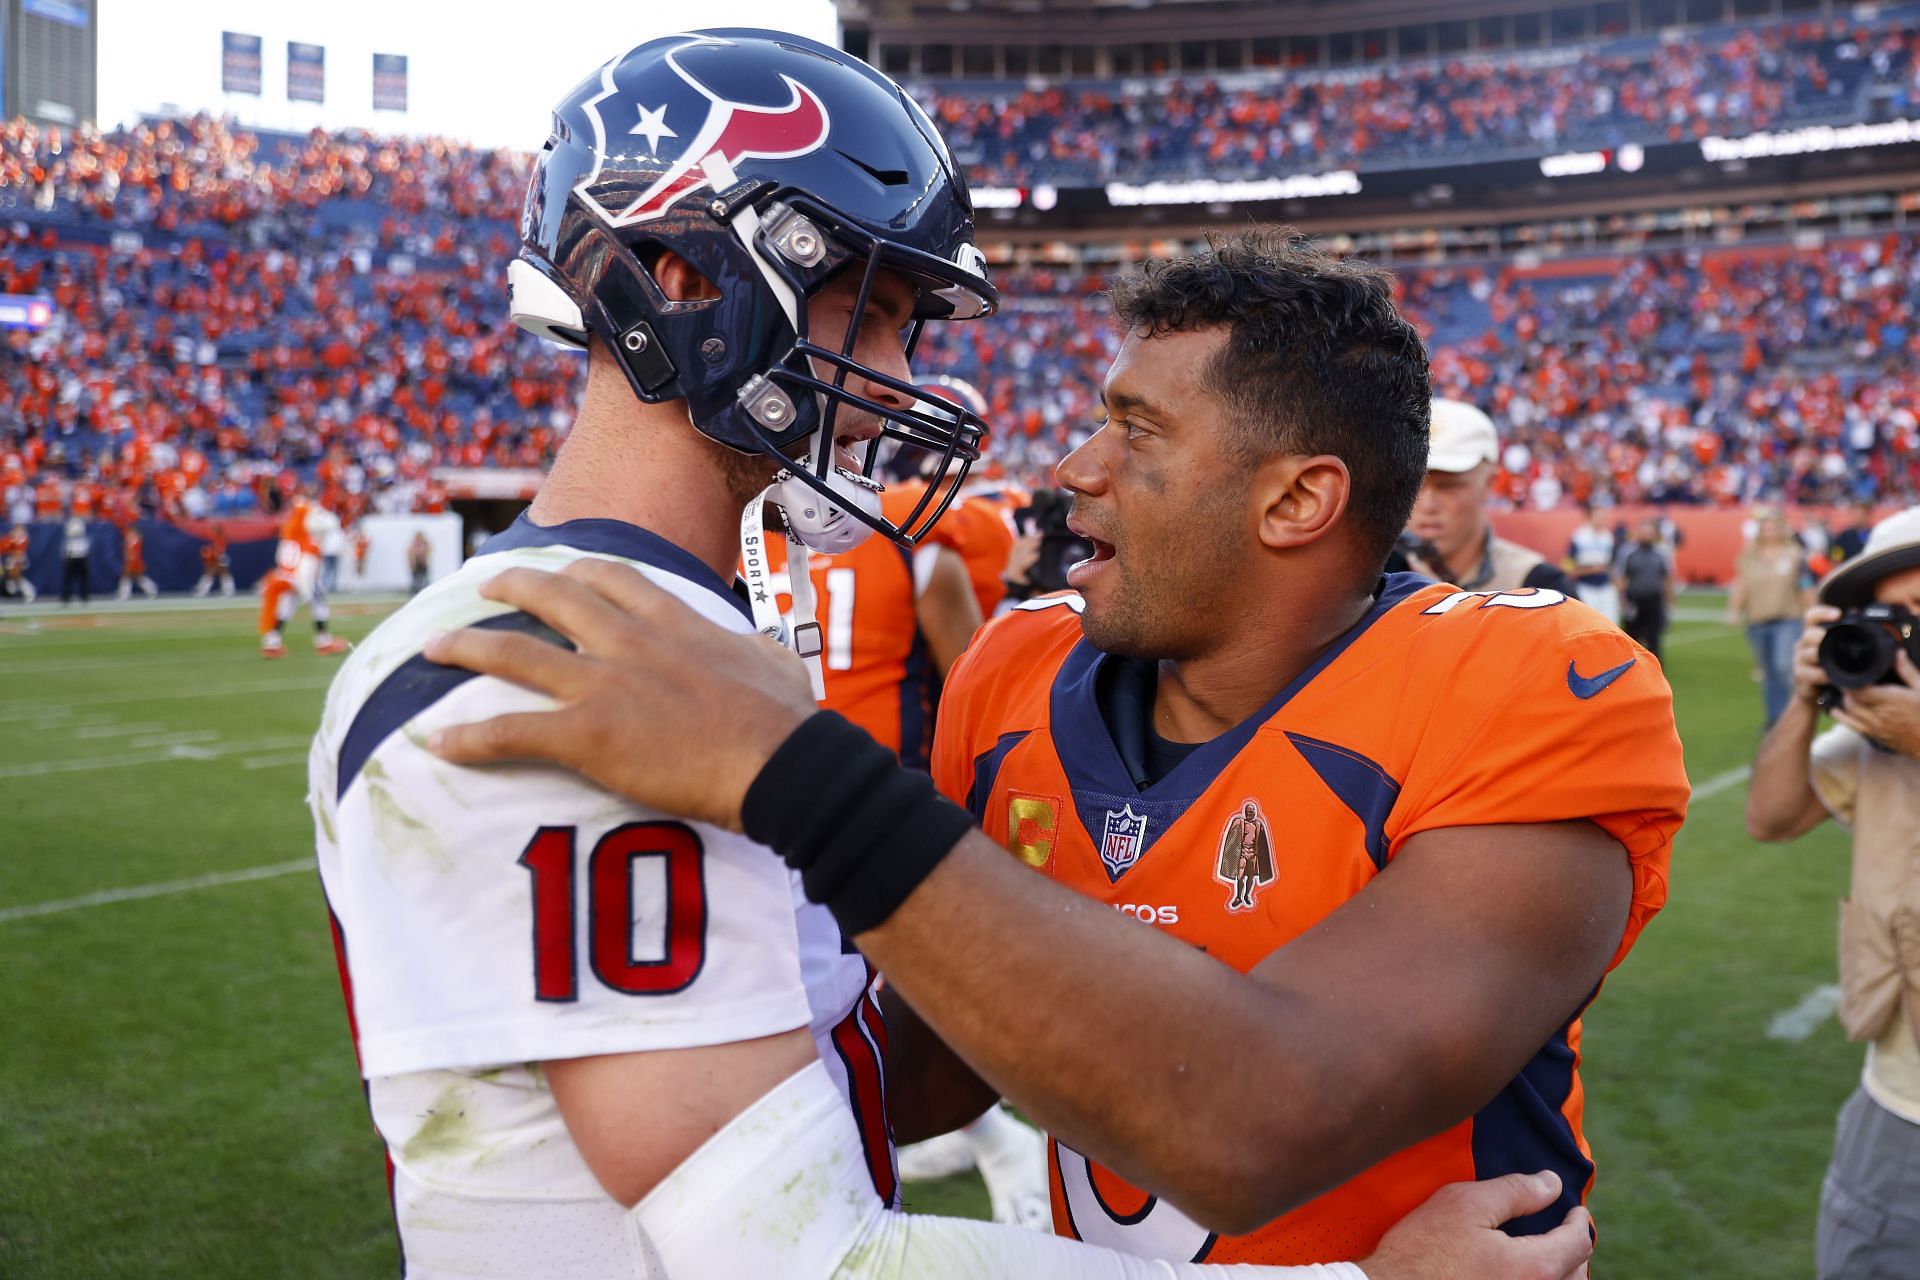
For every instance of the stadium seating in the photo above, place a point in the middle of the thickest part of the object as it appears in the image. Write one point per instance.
(1732, 81)
(240, 312)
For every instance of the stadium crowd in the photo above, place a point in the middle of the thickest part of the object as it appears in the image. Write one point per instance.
(1272, 122)
(324, 311)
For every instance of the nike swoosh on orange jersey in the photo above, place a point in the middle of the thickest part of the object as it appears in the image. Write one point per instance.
(1586, 686)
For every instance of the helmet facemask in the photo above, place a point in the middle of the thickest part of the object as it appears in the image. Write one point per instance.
(801, 245)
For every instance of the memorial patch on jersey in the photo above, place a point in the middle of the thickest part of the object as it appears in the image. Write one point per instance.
(1122, 836)
(1245, 861)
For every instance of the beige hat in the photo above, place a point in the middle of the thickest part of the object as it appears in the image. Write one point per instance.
(1462, 437)
(1893, 545)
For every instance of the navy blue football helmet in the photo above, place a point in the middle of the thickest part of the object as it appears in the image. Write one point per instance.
(772, 164)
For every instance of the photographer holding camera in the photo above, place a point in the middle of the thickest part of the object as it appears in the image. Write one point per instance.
(1857, 656)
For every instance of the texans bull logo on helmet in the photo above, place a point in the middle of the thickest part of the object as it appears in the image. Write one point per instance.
(718, 133)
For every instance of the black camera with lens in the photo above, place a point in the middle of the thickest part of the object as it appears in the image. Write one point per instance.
(1060, 547)
(1859, 649)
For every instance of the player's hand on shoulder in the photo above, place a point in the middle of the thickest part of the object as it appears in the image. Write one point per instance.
(657, 704)
(1456, 1234)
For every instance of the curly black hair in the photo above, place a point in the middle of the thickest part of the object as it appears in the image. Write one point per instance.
(1317, 360)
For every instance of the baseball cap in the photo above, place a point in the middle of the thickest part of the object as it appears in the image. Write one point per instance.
(1893, 545)
(1461, 438)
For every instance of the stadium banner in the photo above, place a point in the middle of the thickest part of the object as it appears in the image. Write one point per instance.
(306, 72)
(25, 310)
(389, 82)
(64, 11)
(239, 63)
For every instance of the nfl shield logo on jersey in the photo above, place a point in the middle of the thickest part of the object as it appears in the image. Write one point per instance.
(1121, 838)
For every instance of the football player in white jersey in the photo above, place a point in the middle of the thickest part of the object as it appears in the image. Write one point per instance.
(602, 1043)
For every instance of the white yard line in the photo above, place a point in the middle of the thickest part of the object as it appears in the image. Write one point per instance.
(275, 762)
(173, 750)
(163, 889)
(26, 711)
(118, 730)
(175, 739)
(1722, 782)
(1805, 1018)
(115, 664)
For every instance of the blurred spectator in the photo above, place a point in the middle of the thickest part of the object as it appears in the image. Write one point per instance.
(1590, 558)
(1451, 511)
(1852, 540)
(75, 549)
(419, 561)
(1646, 588)
(1770, 591)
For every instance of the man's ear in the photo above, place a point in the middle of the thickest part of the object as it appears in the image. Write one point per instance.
(1301, 498)
(679, 280)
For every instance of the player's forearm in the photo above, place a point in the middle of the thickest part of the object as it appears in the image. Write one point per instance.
(1780, 795)
(1021, 977)
(930, 1091)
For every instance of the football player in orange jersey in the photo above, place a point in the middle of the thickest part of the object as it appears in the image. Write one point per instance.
(893, 621)
(13, 566)
(979, 524)
(295, 580)
(215, 565)
(133, 565)
(1469, 799)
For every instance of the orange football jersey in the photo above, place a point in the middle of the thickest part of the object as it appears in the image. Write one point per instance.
(982, 532)
(875, 663)
(296, 540)
(1440, 709)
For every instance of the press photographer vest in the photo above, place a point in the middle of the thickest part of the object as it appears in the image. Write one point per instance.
(1876, 795)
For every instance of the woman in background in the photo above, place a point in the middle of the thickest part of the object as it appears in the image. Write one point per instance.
(1771, 589)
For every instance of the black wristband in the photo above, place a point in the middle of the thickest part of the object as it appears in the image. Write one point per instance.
(861, 830)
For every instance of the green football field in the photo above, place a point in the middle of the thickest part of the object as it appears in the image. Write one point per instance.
(177, 1089)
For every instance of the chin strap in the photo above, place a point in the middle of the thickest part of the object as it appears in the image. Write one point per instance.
(804, 638)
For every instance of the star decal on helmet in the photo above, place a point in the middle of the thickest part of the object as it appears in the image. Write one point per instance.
(653, 127)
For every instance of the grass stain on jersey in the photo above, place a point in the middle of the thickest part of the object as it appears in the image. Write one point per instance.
(446, 1132)
(396, 831)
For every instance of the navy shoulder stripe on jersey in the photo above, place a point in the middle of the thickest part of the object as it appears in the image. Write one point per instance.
(415, 685)
(616, 538)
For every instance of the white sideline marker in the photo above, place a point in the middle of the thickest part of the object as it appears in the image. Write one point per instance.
(1723, 782)
(1804, 1018)
(136, 892)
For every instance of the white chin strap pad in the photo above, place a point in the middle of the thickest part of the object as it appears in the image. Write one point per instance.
(829, 527)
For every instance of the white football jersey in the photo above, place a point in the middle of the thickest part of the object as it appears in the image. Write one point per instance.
(489, 919)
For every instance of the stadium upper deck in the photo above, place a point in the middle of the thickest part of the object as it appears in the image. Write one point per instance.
(236, 311)
(1641, 90)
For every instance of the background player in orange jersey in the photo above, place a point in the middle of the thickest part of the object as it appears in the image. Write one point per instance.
(13, 566)
(979, 524)
(133, 566)
(893, 621)
(1471, 798)
(295, 580)
(215, 566)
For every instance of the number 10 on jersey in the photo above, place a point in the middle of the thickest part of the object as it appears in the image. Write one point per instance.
(669, 850)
